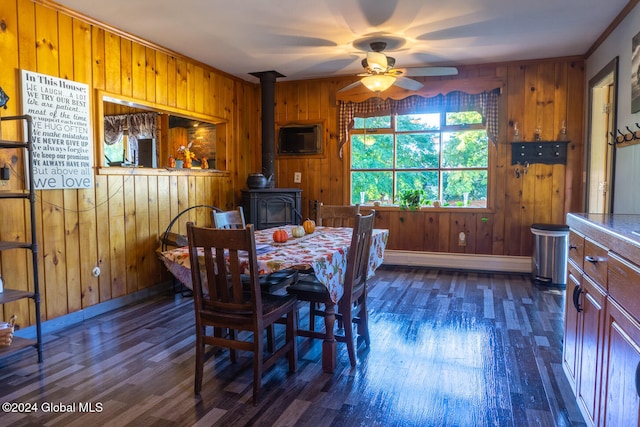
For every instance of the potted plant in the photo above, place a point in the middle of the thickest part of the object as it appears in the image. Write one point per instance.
(411, 199)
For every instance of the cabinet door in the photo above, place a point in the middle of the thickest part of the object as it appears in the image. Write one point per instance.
(572, 312)
(620, 404)
(590, 365)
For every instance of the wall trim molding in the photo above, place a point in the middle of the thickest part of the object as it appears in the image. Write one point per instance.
(510, 264)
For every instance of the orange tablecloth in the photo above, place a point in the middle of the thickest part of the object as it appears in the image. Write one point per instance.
(325, 251)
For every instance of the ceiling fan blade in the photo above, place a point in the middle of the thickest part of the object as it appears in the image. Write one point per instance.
(429, 71)
(378, 14)
(296, 41)
(408, 84)
(351, 86)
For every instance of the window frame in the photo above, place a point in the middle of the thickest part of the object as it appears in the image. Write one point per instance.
(443, 129)
(165, 148)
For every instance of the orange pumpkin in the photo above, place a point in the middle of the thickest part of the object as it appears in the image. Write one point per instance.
(280, 235)
(309, 226)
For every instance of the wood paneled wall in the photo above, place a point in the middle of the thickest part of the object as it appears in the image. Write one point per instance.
(116, 224)
(536, 93)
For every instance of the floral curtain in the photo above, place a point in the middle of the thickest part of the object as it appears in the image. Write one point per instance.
(486, 103)
(113, 128)
(140, 125)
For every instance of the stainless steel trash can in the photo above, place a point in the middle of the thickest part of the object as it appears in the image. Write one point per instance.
(550, 252)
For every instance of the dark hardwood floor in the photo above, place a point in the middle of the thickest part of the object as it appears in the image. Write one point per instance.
(448, 349)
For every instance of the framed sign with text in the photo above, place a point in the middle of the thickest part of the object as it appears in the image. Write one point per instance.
(62, 142)
(635, 74)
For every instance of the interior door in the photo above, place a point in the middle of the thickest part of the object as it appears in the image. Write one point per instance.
(600, 150)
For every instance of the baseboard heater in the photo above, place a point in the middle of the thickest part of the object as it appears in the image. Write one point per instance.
(499, 263)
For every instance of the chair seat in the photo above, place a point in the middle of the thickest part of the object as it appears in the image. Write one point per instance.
(277, 279)
(277, 305)
(310, 289)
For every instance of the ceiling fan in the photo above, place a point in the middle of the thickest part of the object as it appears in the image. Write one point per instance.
(380, 75)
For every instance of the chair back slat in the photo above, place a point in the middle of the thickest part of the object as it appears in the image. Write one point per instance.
(336, 215)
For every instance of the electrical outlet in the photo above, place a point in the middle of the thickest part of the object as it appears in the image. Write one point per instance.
(462, 239)
(297, 177)
(5, 173)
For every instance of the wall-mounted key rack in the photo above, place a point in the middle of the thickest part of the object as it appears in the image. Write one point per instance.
(547, 152)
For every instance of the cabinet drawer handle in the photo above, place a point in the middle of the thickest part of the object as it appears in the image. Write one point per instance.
(593, 259)
(576, 303)
(573, 247)
(638, 379)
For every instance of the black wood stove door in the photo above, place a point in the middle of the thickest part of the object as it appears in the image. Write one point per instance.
(271, 207)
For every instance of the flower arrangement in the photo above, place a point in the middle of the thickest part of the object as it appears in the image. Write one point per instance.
(186, 154)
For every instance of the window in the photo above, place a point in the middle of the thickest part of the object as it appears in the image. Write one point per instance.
(154, 134)
(446, 155)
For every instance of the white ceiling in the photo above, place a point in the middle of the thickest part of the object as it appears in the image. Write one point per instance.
(315, 38)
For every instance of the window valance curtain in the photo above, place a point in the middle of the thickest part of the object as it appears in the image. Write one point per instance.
(140, 125)
(486, 103)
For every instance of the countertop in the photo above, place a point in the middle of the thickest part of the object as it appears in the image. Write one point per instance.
(619, 233)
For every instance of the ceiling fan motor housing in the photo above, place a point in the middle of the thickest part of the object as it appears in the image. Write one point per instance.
(378, 46)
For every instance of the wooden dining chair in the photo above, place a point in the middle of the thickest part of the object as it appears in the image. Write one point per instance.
(336, 215)
(170, 239)
(228, 219)
(355, 289)
(235, 219)
(222, 302)
(330, 216)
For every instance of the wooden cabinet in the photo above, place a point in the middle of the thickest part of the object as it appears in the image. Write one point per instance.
(601, 351)
(591, 324)
(584, 322)
(28, 194)
(576, 248)
(620, 404)
(570, 356)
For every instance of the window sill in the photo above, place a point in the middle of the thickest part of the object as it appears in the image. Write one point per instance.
(449, 209)
(160, 172)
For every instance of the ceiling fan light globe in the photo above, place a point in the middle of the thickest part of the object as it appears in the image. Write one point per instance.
(378, 83)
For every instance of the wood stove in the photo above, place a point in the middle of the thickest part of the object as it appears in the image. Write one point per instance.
(271, 207)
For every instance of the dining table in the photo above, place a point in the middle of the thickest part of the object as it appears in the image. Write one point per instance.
(325, 251)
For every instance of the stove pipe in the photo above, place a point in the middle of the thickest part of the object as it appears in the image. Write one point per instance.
(268, 86)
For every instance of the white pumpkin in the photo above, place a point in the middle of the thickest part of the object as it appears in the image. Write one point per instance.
(298, 231)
